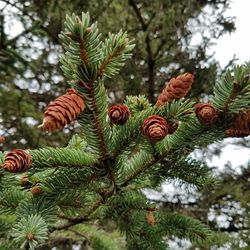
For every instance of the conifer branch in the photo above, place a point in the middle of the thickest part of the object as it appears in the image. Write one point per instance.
(75, 221)
(102, 174)
(56, 157)
(83, 52)
(98, 125)
(95, 114)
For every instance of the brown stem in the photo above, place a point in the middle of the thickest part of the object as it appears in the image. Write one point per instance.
(138, 14)
(97, 204)
(234, 94)
(75, 221)
(98, 124)
(108, 58)
(83, 52)
(151, 68)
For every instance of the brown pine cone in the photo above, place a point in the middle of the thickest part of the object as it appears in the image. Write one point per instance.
(172, 127)
(231, 132)
(36, 190)
(62, 111)
(206, 113)
(176, 88)
(119, 114)
(155, 128)
(241, 125)
(17, 161)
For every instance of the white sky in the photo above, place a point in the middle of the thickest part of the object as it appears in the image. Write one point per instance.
(238, 42)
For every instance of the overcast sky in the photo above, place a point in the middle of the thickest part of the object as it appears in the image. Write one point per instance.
(237, 43)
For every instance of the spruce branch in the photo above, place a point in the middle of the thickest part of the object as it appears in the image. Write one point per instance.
(232, 92)
(30, 231)
(95, 127)
(61, 157)
(100, 173)
(116, 49)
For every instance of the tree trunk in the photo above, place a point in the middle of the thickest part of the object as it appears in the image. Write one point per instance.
(151, 69)
(151, 81)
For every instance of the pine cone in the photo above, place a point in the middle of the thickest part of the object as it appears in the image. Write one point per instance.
(172, 127)
(231, 132)
(17, 161)
(155, 128)
(62, 111)
(206, 113)
(119, 114)
(241, 125)
(176, 88)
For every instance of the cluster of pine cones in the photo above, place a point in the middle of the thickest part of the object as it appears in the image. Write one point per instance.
(66, 108)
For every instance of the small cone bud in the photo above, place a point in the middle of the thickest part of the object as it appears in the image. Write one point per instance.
(36, 190)
(172, 127)
(150, 216)
(24, 180)
(30, 236)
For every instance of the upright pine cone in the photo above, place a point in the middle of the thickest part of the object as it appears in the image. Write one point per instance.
(176, 88)
(206, 113)
(17, 161)
(119, 114)
(63, 110)
(241, 125)
(155, 128)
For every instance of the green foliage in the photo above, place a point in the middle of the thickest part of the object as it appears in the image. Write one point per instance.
(183, 227)
(101, 173)
(137, 103)
(116, 49)
(37, 206)
(31, 230)
(10, 198)
(124, 135)
(232, 92)
(179, 110)
(184, 170)
(55, 157)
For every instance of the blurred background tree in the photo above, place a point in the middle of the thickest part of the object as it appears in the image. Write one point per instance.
(171, 37)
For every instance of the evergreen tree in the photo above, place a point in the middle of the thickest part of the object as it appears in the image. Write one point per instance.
(163, 32)
(121, 150)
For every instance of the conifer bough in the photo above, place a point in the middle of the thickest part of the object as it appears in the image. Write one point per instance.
(120, 150)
